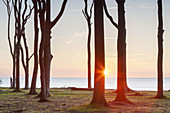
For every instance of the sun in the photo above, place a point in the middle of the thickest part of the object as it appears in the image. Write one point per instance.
(105, 72)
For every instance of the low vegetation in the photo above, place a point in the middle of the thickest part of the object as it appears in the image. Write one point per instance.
(66, 100)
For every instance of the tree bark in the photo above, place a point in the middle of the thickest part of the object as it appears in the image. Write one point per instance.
(88, 19)
(99, 77)
(27, 63)
(121, 48)
(160, 51)
(41, 50)
(35, 71)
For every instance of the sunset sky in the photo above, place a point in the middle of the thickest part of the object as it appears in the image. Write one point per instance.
(69, 38)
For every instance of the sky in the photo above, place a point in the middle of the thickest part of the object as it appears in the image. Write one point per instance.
(69, 40)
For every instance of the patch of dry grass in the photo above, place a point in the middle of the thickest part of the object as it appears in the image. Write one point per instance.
(66, 100)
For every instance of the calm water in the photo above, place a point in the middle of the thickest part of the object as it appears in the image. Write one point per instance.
(134, 83)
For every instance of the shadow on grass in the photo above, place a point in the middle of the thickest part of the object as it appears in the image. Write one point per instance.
(90, 109)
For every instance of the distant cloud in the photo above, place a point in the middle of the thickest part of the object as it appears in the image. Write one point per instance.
(75, 10)
(75, 36)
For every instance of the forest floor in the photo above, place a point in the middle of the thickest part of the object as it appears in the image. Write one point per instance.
(68, 101)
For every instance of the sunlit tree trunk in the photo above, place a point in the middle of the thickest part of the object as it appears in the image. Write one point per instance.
(160, 51)
(121, 48)
(99, 77)
(126, 88)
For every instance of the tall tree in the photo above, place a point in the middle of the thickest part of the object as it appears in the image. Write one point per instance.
(12, 50)
(45, 55)
(160, 51)
(126, 88)
(36, 30)
(17, 14)
(88, 19)
(27, 59)
(20, 22)
(121, 50)
(99, 77)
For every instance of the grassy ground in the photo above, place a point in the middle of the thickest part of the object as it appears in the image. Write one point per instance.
(68, 101)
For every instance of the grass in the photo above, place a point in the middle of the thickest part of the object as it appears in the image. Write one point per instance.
(68, 101)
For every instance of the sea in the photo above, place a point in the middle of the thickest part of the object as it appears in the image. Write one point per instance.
(139, 84)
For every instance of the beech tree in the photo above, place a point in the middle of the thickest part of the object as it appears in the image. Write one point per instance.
(27, 59)
(20, 22)
(160, 51)
(88, 19)
(18, 32)
(121, 50)
(36, 31)
(99, 77)
(12, 50)
(45, 55)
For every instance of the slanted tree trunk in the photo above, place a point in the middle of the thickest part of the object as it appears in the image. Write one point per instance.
(99, 77)
(88, 19)
(121, 48)
(160, 51)
(35, 71)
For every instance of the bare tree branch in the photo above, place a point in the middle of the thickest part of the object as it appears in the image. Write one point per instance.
(22, 57)
(7, 3)
(108, 15)
(60, 14)
(30, 57)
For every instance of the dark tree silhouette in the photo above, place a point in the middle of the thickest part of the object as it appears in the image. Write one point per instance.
(36, 29)
(41, 50)
(88, 19)
(20, 22)
(99, 77)
(121, 48)
(126, 88)
(160, 51)
(17, 14)
(45, 55)
(26, 62)
(12, 50)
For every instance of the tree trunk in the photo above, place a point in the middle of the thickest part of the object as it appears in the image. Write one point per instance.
(42, 68)
(47, 52)
(14, 81)
(89, 55)
(35, 71)
(121, 48)
(17, 88)
(27, 63)
(99, 77)
(42, 51)
(160, 51)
